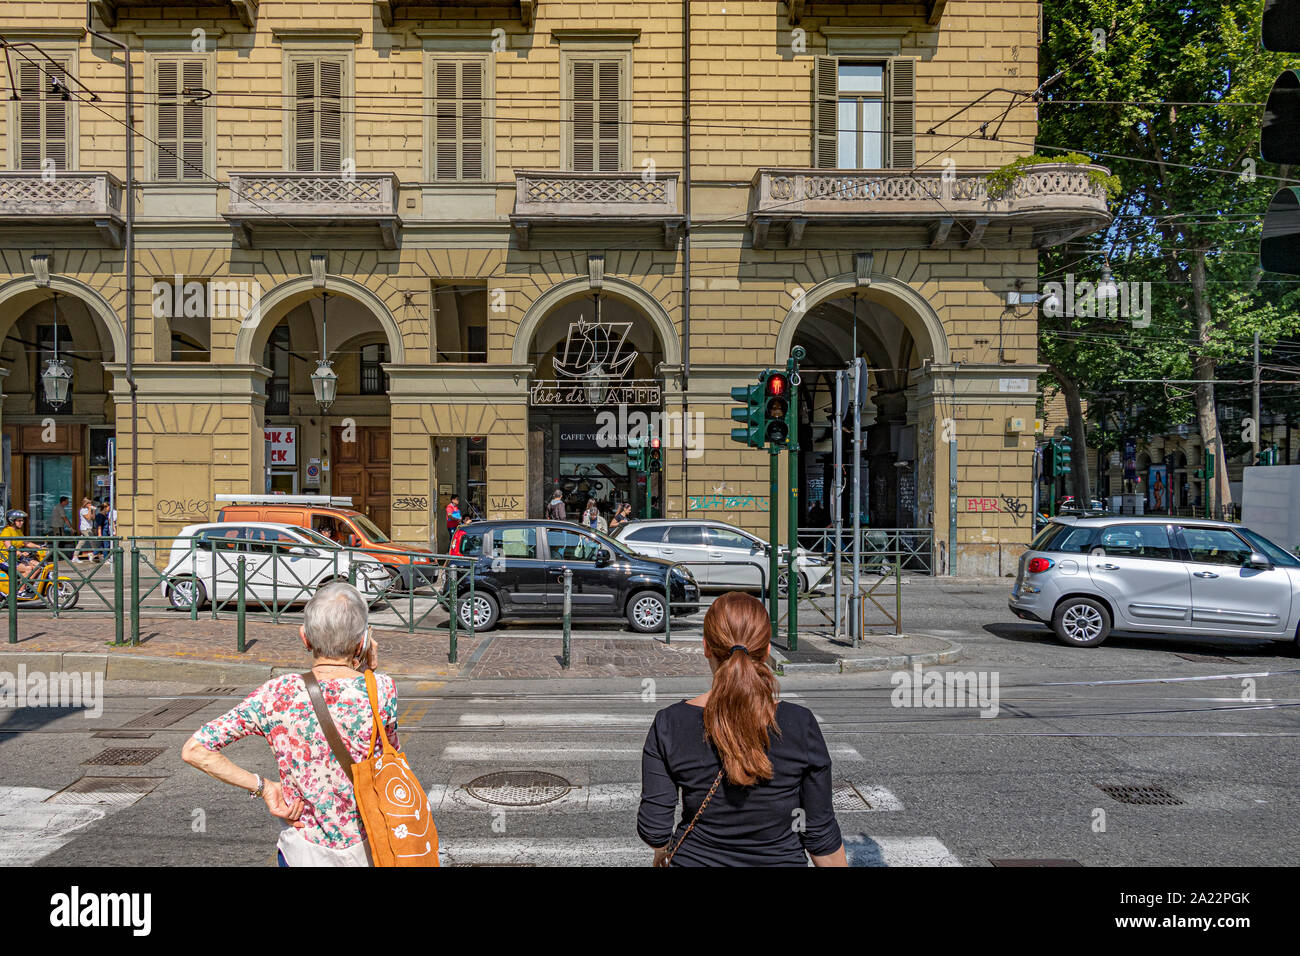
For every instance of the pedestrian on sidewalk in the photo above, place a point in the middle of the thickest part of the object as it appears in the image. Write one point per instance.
(101, 530)
(60, 523)
(748, 766)
(312, 793)
(86, 516)
(453, 514)
(556, 510)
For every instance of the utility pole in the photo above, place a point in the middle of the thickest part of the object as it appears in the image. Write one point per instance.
(837, 493)
(1254, 409)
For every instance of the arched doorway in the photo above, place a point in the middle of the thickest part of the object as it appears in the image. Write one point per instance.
(344, 451)
(51, 452)
(597, 358)
(882, 324)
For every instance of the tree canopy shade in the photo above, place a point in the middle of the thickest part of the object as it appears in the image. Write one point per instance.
(1166, 95)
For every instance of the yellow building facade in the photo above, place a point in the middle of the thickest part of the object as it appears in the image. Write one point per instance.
(517, 230)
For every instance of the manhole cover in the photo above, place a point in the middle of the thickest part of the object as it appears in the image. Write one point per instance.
(123, 757)
(845, 796)
(167, 714)
(518, 788)
(1150, 795)
(114, 791)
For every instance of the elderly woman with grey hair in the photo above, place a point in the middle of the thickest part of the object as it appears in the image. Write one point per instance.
(313, 793)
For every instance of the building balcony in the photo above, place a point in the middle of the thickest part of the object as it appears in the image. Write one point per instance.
(548, 198)
(275, 204)
(933, 8)
(65, 204)
(1046, 205)
(390, 10)
(110, 10)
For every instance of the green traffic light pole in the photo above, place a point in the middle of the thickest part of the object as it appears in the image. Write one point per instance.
(773, 539)
(792, 448)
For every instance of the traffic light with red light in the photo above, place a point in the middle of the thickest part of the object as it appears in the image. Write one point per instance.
(656, 456)
(776, 409)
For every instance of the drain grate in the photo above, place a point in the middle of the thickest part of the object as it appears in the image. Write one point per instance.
(113, 791)
(518, 788)
(845, 796)
(218, 691)
(123, 757)
(168, 713)
(1148, 795)
(1206, 659)
(123, 734)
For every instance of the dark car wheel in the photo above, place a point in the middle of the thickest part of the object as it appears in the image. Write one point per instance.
(1081, 622)
(481, 614)
(784, 576)
(646, 612)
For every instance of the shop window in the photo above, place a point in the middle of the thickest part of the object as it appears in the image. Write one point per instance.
(277, 358)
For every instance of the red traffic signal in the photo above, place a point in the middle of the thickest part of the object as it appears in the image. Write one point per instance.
(654, 443)
(778, 386)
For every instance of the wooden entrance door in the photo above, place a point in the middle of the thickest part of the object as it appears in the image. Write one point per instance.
(361, 470)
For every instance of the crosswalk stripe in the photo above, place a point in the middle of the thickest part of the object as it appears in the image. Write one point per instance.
(518, 752)
(626, 796)
(862, 850)
(31, 829)
(548, 720)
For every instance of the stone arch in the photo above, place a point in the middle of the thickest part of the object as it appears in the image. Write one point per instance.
(910, 306)
(19, 295)
(291, 293)
(630, 292)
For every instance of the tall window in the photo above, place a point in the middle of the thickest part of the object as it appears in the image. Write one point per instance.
(317, 116)
(597, 115)
(43, 114)
(864, 114)
(373, 379)
(277, 359)
(460, 147)
(180, 123)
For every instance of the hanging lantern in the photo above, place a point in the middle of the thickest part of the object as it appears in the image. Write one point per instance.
(324, 384)
(57, 377)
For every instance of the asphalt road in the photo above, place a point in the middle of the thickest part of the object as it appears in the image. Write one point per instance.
(1212, 722)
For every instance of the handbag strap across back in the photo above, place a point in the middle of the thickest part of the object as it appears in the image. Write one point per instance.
(695, 819)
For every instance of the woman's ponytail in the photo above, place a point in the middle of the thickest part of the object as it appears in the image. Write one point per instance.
(741, 709)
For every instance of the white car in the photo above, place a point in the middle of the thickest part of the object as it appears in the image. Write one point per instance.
(283, 564)
(718, 554)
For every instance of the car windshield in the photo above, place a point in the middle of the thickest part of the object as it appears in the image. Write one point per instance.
(368, 526)
(611, 543)
(1273, 552)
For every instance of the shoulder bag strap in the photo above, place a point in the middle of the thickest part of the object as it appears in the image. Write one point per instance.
(327, 725)
(695, 819)
(378, 733)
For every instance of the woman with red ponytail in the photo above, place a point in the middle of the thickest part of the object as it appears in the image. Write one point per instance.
(753, 771)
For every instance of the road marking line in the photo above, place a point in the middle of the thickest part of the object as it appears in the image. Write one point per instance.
(544, 719)
(863, 850)
(519, 752)
(31, 829)
(625, 796)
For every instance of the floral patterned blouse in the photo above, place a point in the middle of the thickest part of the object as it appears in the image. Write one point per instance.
(281, 711)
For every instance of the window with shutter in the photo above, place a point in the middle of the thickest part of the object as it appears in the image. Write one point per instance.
(42, 115)
(180, 129)
(597, 115)
(864, 113)
(459, 140)
(318, 114)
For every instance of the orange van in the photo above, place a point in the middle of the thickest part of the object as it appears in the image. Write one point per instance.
(338, 520)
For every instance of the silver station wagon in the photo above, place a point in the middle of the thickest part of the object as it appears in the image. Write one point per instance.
(1086, 576)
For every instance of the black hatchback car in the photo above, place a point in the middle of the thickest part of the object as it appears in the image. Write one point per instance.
(519, 575)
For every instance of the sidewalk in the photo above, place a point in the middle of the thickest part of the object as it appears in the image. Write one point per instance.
(205, 650)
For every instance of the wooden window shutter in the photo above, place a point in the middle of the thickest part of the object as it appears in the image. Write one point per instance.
(459, 147)
(42, 116)
(169, 148)
(192, 121)
(583, 159)
(610, 106)
(471, 119)
(304, 115)
(330, 117)
(902, 113)
(446, 148)
(825, 112)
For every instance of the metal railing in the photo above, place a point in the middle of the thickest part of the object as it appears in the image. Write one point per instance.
(880, 548)
(140, 577)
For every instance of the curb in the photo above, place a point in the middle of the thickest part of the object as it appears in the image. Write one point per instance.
(140, 667)
(862, 665)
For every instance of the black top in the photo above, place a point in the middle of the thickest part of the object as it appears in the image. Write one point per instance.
(741, 826)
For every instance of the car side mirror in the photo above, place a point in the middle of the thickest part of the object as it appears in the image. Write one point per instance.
(1260, 561)
(303, 553)
(603, 557)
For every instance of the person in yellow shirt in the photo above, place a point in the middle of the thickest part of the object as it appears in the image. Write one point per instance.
(27, 559)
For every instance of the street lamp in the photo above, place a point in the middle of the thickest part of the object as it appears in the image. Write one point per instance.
(1106, 288)
(57, 377)
(324, 381)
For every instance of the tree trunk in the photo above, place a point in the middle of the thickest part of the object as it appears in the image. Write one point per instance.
(1219, 495)
(1078, 437)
